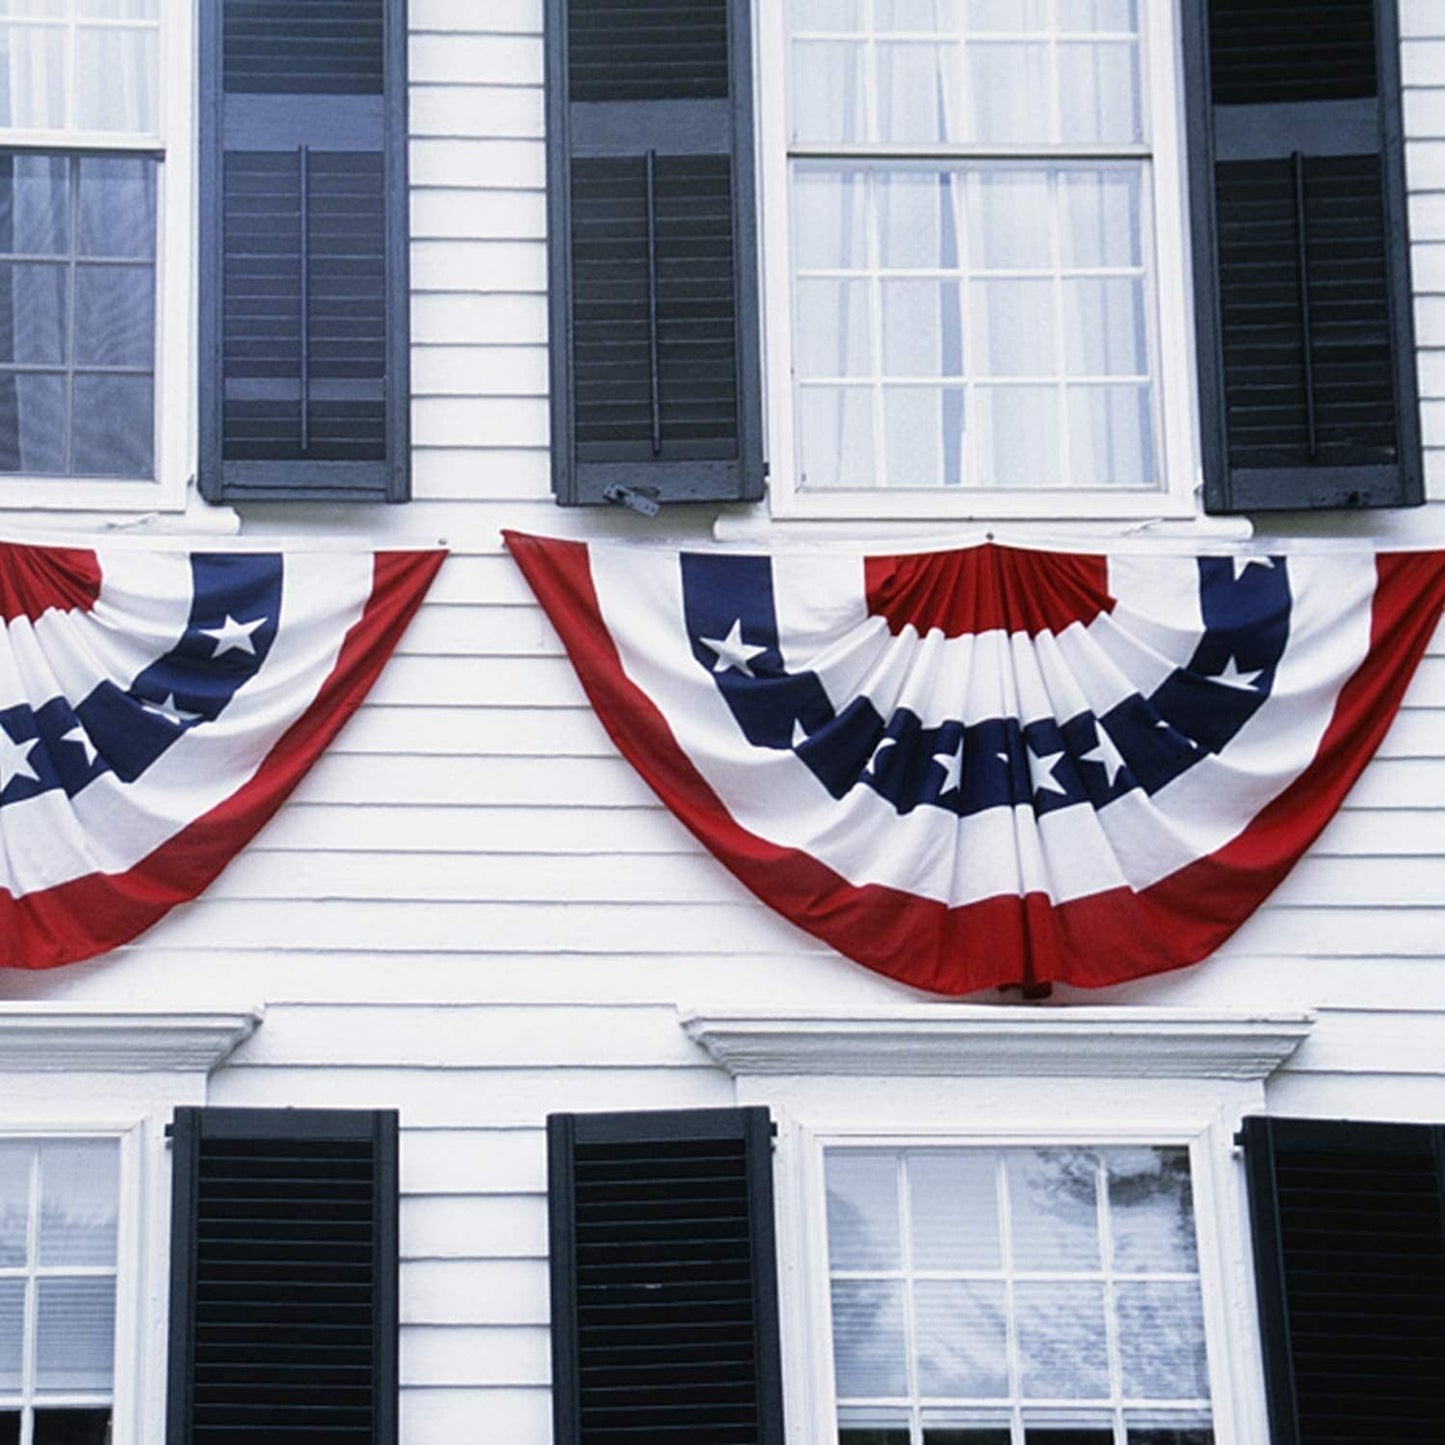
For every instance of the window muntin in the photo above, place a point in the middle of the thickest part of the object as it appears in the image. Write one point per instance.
(1015, 1296)
(59, 1224)
(81, 162)
(972, 247)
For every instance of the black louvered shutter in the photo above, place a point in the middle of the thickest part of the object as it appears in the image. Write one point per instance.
(1306, 344)
(664, 1289)
(1349, 1243)
(283, 1277)
(652, 254)
(303, 250)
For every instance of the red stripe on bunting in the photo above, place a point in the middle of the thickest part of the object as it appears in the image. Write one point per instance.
(1107, 938)
(987, 589)
(37, 580)
(100, 911)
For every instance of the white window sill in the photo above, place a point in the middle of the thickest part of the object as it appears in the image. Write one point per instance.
(40, 524)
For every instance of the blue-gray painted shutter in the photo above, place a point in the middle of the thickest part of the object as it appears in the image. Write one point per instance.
(664, 1279)
(652, 251)
(284, 1309)
(303, 250)
(1349, 1247)
(1302, 283)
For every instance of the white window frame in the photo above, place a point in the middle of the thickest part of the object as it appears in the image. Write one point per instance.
(1180, 463)
(75, 1071)
(174, 403)
(993, 1077)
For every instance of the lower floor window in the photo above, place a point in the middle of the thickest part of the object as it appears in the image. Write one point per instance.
(58, 1241)
(1015, 1296)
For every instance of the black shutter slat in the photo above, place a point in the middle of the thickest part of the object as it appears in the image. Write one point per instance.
(1306, 343)
(304, 240)
(652, 252)
(1349, 1240)
(283, 1288)
(664, 1304)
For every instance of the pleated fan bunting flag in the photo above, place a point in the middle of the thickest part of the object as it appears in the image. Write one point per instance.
(156, 708)
(997, 766)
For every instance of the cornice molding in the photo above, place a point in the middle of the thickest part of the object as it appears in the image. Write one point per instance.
(969, 1041)
(49, 1038)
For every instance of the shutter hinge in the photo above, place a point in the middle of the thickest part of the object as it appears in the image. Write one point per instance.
(640, 499)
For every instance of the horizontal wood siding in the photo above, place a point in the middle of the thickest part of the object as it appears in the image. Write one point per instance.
(474, 912)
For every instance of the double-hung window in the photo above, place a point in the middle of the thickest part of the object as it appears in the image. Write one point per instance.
(1015, 1296)
(975, 221)
(59, 1230)
(95, 232)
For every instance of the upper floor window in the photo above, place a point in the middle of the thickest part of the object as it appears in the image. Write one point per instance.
(89, 192)
(971, 194)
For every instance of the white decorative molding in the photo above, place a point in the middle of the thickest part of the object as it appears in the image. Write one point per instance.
(961, 1040)
(42, 1037)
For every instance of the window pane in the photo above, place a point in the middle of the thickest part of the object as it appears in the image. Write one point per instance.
(1099, 216)
(1104, 327)
(827, 14)
(12, 1332)
(941, 15)
(32, 77)
(1053, 1202)
(829, 216)
(1151, 1210)
(833, 328)
(1164, 1435)
(32, 424)
(961, 1338)
(72, 1427)
(114, 315)
(34, 318)
(1098, 15)
(117, 9)
(117, 207)
(917, 224)
(953, 1201)
(862, 1210)
(1010, 92)
(922, 328)
(1017, 431)
(113, 421)
(79, 1190)
(1014, 328)
(116, 77)
(918, 94)
(1161, 1340)
(54, 9)
(1099, 93)
(962, 1435)
(34, 205)
(873, 1435)
(870, 1357)
(1063, 1351)
(836, 433)
(1009, 219)
(74, 1335)
(9, 1428)
(15, 1165)
(1111, 436)
(828, 91)
(923, 435)
(1009, 16)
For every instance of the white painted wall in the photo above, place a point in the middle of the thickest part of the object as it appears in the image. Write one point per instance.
(473, 911)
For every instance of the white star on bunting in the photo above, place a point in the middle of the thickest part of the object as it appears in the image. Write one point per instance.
(81, 739)
(1231, 676)
(1106, 755)
(952, 765)
(1243, 564)
(233, 636)
(1041, 769)
(732, 652)
(14, 760)
(170, 709)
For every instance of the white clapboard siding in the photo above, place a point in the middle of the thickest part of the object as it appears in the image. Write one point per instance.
(464, 1356)
(515, 1415)
(491, 1226)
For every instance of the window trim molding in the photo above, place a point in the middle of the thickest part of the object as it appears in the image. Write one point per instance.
(51, 1038)
(173, 377)
(982, 1040)
(1170, 306)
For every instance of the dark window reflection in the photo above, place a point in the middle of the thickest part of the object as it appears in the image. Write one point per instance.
(1069, 1435)
(1154, 1435)
(873, 1435)
(9, 1430)
(72, 1427)
(983, 1435)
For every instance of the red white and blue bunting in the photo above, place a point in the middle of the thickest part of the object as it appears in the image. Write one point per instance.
(156, 708)
(997, 766)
